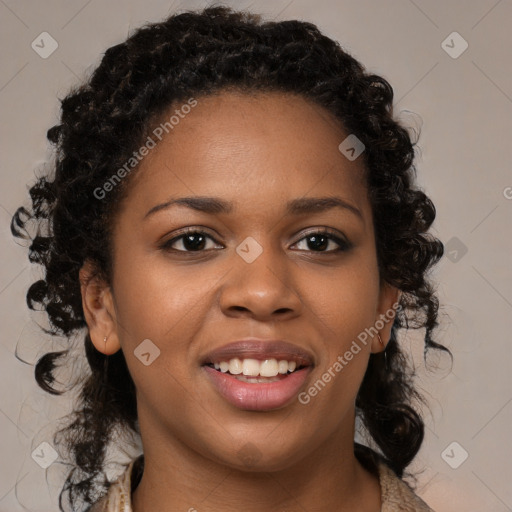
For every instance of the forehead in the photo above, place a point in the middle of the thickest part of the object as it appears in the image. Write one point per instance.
(261, 146)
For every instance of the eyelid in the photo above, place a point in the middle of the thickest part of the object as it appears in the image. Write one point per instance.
(324, 230)
(341, 240)
(198, 230)
(343, 243)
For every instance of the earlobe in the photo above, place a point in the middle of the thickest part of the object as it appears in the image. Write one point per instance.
(108, 346)
(99, 311)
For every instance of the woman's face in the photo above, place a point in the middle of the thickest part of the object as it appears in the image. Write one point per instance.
(254, 269)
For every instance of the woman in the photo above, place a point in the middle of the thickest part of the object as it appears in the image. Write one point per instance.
(233, 220)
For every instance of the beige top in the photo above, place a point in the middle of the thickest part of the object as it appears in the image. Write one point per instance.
(397, 496)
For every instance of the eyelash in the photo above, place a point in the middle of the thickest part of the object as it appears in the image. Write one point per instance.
(343, 244)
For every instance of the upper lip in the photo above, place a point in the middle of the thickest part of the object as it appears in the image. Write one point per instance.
(260, 349)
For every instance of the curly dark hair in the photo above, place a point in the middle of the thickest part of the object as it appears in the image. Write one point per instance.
(104, 120)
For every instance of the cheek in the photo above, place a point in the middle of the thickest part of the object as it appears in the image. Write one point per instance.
(157, 300)
(344, 306)
(166, 305)
(157, 304)
(345, 302)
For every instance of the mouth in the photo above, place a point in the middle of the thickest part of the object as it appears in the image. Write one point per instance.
(258, 375)
(255, 371)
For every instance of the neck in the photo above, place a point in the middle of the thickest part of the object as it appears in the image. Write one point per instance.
(329, 478)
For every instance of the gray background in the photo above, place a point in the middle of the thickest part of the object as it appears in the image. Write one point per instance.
(464, 108)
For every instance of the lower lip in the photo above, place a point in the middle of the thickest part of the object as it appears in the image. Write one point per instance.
(262, 396)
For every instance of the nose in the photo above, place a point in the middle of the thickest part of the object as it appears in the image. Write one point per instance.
(263, 289)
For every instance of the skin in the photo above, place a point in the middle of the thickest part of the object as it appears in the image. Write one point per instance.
(258, 151)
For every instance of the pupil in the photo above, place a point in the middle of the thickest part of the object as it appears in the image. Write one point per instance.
(319, 242)
(190, 245)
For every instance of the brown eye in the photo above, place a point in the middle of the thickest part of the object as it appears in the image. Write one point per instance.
(192, 241)
(320, 241)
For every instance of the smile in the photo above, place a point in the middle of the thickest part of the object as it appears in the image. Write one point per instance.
(258, 375)
(253, 367)
(257, 393)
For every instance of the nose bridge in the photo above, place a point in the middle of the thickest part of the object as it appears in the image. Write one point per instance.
(260, 281)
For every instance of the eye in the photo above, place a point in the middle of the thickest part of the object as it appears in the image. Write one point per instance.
(190, 241)
(319, 241)
(194, 240)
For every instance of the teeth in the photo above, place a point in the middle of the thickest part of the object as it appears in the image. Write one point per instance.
(283, 367)
(251, 367)
(269, 368)
(260, 380)
(255, 368)
(235, 366)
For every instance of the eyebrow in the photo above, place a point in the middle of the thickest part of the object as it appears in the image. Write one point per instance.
(300, 206)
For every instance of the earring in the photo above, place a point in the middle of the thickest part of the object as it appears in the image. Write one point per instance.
(378, 334)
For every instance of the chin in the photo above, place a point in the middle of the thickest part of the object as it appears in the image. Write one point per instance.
(256, 458)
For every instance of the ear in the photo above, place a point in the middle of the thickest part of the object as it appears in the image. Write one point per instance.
(99, 311)
(389, 297)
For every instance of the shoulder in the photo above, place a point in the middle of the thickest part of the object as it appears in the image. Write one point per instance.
(99, 506)
(397, 496)
(118, 497)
